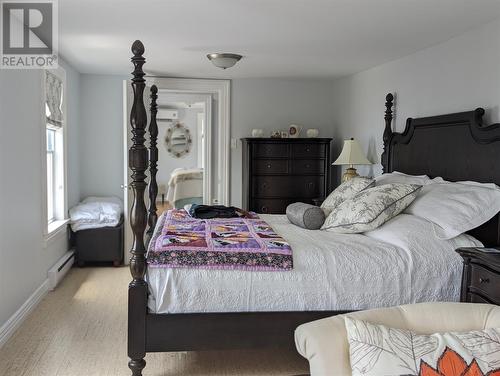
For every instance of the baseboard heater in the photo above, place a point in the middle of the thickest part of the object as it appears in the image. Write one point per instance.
(59, 270)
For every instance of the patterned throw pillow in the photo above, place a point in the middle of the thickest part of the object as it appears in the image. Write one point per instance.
(370, 208)
(376, 350)
(345, 191)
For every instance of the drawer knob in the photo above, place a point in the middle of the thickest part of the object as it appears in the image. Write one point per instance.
(264, 209)
(269, 165)
(484, 280)
(308, 150)
(308, 165)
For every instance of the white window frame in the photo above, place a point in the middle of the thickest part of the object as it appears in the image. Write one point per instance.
(56, 227)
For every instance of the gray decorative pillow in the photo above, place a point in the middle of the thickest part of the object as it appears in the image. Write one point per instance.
(305, 215)
(371, 208)
(345, 191)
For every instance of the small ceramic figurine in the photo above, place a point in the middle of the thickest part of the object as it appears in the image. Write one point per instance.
(294, 131)
(276, 134)
(312, 132)
(257, 132)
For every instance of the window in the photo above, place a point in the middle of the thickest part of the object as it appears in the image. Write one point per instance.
(55, 150)
(51, 174)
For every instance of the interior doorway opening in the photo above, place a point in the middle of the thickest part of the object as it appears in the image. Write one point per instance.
(214, 144)
(183, 122)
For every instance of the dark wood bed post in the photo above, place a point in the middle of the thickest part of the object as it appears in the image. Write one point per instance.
(389, 98)
(138, 162)
(153, 163)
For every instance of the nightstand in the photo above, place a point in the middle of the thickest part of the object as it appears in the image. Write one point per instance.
(481, 275)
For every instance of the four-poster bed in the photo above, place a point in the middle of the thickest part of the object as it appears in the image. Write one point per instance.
(153, 332)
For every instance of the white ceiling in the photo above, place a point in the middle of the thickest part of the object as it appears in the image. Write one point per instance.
(278, 38)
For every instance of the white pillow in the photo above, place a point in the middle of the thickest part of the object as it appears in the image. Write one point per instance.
(105, 199)
(399, 177)
(344, 191)
(376, 350)
(456, 208)
(370, 208)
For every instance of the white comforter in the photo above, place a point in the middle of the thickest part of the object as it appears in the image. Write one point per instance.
(400, 262)
(95, 212)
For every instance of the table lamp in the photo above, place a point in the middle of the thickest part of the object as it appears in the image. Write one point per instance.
(351, 155)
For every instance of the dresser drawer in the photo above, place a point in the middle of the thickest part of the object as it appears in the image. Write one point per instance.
(474, 298)
(484, 282)
(270, 166)
(308, 150)
(270, 150)
(270, 206)
(288, 186)
(308, 166)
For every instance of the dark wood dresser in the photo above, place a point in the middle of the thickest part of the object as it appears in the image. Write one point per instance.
(481, 276)
(280, 171)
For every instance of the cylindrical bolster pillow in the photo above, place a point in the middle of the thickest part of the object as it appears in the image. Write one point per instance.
(305, 215)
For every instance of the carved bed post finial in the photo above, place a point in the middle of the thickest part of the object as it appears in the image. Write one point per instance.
(153, 162)
(138, 163)
(389, 98)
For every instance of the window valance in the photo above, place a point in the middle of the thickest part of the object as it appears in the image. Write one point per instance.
(53, 99)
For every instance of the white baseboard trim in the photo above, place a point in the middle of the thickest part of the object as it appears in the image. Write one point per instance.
(15, 321)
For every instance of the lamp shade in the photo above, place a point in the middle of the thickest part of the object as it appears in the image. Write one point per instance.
(351, 154)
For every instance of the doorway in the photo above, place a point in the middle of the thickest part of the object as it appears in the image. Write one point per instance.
(184, 149)
(213, 142)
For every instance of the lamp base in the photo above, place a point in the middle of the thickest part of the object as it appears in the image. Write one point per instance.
(349, 174)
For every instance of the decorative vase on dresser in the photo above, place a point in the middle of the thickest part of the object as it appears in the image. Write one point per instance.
(280, 171)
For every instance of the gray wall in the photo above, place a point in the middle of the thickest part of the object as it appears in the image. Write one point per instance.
(73, 135)
(458, 75)
(25, 261)
(274, 104)
(256, 103)
(101, 135)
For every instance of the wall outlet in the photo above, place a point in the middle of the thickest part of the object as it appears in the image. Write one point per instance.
(234, 143)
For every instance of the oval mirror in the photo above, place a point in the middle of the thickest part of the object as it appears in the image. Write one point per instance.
(178, 140)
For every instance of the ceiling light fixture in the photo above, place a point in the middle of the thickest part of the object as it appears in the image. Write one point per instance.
(224, 61)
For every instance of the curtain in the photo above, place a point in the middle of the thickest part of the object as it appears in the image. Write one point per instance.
(53, 99)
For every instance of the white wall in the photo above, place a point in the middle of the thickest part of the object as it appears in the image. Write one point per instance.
(458, 75)
(101, 135)
(25, 261)
(73, 135)
(274, 104)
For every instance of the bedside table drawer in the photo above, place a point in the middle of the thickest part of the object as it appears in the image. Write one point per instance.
(475, 298)
(485, 282)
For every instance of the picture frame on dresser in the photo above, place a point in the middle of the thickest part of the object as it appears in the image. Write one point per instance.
(278, 172)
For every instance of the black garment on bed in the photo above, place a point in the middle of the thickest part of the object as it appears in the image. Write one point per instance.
(215, 211)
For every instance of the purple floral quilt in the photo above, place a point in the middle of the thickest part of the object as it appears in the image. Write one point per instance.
(182, 241)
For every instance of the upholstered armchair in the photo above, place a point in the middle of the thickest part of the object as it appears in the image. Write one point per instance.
(324, 342)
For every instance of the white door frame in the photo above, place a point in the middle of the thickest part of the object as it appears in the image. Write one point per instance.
(221, 88)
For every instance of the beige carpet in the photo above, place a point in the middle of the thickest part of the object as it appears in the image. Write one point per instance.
(80, 329)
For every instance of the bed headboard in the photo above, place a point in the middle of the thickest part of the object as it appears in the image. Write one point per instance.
(454, 146)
